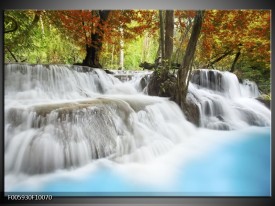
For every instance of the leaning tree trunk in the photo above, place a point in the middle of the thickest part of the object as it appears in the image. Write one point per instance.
(121, 48)
(225, 54)
(235, 61)
(13, 56)
(161, 43)
(93, 50)
(169, 34)
(186, 66)
(182, 39)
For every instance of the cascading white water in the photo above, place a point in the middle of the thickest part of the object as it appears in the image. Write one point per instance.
(224, 103)
(60, 117)
(65, 124)
(41, 83)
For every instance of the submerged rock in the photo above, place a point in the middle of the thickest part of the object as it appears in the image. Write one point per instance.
(108, 71)
(144, 82)
(218, 126)
(265, 101)
(219, 117)
(192, 113)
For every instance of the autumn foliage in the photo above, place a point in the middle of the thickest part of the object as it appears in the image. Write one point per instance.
(233, 40)
(247, 31)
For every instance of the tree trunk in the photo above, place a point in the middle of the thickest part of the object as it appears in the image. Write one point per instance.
(235, 61)
(161, 83)
(169, 34)
(186, 66)
(42, 26)
(146, 47)
(182, 39)
(93, 50)
(84, 32)
(158, 54)
(121, 52)
(112, 59)
(161, 34)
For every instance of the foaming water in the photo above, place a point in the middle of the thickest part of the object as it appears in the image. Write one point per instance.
(65, 128)
(72, 125)
(224, 103)
(210, 163)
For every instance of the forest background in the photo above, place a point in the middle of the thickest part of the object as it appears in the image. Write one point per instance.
(230, 40)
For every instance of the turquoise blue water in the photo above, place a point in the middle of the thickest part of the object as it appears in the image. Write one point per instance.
(236, 168)
(241, 169)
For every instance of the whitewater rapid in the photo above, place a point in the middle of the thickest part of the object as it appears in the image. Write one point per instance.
(59, 119)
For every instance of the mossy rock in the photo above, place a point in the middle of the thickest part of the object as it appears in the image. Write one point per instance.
(265, 99)
(162, 86)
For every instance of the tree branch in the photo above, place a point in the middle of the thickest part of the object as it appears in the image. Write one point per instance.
(13, 56)
(14, 22)
(235, 61)
(219, 58)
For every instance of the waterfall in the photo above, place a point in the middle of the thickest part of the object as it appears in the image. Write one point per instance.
(60, 117)
(44, 82)
(63, 117)
(224, 103)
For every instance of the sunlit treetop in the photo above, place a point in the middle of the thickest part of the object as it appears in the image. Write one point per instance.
(247, 31)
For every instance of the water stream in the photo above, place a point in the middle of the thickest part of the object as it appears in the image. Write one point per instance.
(67, 126)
